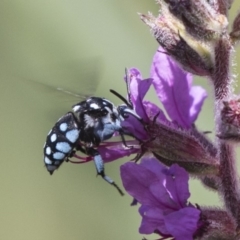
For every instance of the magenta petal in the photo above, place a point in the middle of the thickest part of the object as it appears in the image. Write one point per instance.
(177, 185)
(153, 110)
(135, 78)
(138, 86)
(154, 166)
(138, 90)
(111, 154)
(164, 201)
(173, 87)
(142, 209)
(163, 193)
(183, 223)
(198, 95)
(152, 219)
(133, 126)
(143, 88)
(137, 180)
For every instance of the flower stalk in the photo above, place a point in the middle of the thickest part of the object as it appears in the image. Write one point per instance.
(194, 34)
(228, 168)
(194, 40)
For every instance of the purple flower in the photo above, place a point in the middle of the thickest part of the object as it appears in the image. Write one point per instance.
(137, 91)
(173, 86)
(163, 195)
(147, 110)
(182, 102)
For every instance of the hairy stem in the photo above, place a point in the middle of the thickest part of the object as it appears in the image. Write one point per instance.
(220, 76)
(228, 175)
(229, 180)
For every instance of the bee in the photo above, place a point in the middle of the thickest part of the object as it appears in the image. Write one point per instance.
(90, 122)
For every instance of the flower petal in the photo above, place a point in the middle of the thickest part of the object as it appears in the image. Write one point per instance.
(173, 87)
(135, 77)
(177, 185)
(198, 95)
(132, 126)
(138, 90)
(183, 223)
(152, 219)
(111, 154)
(153, 110)
(137, 180)
(164, 201)
(154, 166)
(143, 87)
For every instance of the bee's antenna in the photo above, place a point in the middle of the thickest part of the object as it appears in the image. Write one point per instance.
(127, 102)
(122, 98)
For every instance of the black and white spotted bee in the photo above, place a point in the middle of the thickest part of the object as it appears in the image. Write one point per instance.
(88, 124)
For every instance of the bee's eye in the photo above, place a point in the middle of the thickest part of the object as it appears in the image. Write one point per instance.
(104, 112)
(113, 117)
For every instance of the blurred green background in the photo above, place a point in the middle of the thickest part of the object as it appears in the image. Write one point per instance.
(68, 44)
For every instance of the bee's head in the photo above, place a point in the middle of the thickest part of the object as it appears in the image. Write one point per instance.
(124, 112)
(125, 109)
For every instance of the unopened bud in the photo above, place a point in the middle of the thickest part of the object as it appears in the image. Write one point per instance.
(216, 224)
(212, 182)
(193, 55)
(188, 148)
(230, 117)
(201, 20)
(235, 33)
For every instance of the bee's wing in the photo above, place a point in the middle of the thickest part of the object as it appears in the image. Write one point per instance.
(78, 80)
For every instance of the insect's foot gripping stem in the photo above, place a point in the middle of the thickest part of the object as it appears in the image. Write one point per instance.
(100, 169)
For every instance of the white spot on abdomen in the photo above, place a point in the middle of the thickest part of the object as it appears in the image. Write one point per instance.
(63, 127)
(47, 160)
(53, 137)
(59, 156)
(63, 147)
(48, 151)
(72, 135)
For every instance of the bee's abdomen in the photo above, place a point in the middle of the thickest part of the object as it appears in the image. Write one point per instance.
(61, 141)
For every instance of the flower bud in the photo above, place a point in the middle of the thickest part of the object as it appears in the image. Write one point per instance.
(188, 148)
(230, 117)
(194, 55)
(216, 225)
(213, 182)
(199, 17)
(235, 33)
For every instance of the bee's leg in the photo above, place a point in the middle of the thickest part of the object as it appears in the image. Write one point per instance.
(81, 149)
(70, 155)
(77, 148)
(99, 164)
(124, 140)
